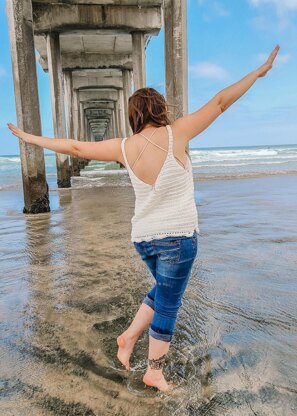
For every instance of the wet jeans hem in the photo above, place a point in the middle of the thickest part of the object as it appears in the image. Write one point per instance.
(148, 301)
(160, 337)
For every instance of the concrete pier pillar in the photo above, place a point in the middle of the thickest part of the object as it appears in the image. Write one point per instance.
(176, 56)
(76, 116)
(109, 128)
(138, 58)
(117, 119)
(127, 92)
(81, 122)
(19, 13)
(58, 109)
(70, 105)
(113, 129)
(122, 114)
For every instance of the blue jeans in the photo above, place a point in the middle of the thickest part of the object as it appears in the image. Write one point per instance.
(170, 261)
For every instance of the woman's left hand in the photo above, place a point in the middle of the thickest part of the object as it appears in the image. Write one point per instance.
(20, 133)
(262, 71)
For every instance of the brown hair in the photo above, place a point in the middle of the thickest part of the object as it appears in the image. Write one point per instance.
(148, 106)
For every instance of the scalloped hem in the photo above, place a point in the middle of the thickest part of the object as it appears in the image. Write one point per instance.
(157, 236)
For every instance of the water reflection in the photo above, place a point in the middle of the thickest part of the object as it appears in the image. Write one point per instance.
(71, 282)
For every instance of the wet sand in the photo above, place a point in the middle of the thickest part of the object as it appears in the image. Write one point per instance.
(71, 281)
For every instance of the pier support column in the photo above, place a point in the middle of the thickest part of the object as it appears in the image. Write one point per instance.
(122, 114)
(81, 123)
(176, 56)
(70, 101)
(76, 114)
(58, 109)
(117, 118)
(113, 124)
(82, 133)
(138, 57)
(19, 13)
(127, 91)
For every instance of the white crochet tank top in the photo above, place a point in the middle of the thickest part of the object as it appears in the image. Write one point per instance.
(166, 208)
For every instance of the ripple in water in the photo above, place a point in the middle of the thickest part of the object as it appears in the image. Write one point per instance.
(71, 281)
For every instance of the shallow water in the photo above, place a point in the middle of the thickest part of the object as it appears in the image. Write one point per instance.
(71, 282)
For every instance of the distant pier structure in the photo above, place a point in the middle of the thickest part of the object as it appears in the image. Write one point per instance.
(94, 52)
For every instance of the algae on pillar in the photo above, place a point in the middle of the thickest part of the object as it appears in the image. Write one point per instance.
(19, 13)
(58, 109)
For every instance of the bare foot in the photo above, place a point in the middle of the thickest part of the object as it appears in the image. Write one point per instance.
(125, 344)
(156, 379)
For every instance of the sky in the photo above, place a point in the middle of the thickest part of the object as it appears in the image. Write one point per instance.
(226, 39)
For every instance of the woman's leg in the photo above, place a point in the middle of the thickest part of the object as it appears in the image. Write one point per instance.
(174, 266)
(128, 338)
(156, 360)
(141, 321)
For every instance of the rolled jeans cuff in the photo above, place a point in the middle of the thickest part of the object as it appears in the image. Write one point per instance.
(148, 301)
(160, 337)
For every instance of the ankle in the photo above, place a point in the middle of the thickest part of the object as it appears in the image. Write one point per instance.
(155, 374)
(130, 336)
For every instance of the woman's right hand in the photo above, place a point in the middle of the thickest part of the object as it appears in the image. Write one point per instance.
(26, 137)
(263, 69)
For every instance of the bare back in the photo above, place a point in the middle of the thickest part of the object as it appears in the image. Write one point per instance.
(146, 155)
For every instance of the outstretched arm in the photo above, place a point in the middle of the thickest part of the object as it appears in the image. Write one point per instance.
(105, 150)
(190, 125)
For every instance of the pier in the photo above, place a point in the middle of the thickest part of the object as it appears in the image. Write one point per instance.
(95, 54)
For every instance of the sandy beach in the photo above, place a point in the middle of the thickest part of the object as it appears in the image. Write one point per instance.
(71, 281)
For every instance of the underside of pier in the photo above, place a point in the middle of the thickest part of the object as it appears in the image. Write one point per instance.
(95, 54)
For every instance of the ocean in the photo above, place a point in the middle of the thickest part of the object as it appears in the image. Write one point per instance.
(71, 282)
(208, 163)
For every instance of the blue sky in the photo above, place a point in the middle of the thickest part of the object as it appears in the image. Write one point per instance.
(226, 40)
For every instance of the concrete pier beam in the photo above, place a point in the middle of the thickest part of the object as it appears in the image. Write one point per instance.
(138, 58)
(58, 109)
(176, 56)
(19, 13)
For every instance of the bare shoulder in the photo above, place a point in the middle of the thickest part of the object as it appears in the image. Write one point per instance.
(190, 125)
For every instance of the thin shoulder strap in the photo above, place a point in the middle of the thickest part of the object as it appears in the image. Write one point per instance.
(155, 144)
(170, 139)
(124, 153)
(144, 147)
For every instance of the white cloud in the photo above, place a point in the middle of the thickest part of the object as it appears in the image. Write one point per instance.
(220, 9)
(213, 8)
(279, 60)
(281, 5)
(206, 69)
(3, 72)
(283, 8)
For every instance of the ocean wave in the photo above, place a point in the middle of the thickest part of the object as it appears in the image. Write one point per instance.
(222, 165)
(16, 185)
(244, 154)
(243, 175)
(9, 159)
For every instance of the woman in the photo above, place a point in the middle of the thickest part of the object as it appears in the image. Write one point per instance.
(164, 225)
